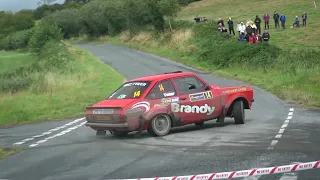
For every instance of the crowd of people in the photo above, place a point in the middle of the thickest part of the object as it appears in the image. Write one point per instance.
(251, 30)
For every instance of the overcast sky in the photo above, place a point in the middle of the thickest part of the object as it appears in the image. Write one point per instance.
(16, 5)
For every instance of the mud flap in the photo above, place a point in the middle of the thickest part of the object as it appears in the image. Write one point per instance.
(141, 124)
(222, 116)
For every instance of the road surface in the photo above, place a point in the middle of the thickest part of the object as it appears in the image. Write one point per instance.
(275, 133)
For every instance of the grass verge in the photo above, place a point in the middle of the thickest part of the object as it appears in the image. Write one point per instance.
(302, 88)
(65, 94)
(12, 60)
(5, 152)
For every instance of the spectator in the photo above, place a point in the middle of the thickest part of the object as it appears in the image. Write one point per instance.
(197, 19)
(266, 19)
(304, 19)
(266, 36)
(249, 29)
(221, 21)
(276, 19)
(230, 24)
(254, 27)
(238, 27)
(242, 28)
(252, 39)
(296, 23)
(241, 37)
(257, 21)
(283, 19)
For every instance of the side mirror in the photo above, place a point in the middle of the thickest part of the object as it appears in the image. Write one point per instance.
(191, 86)
(207, 88)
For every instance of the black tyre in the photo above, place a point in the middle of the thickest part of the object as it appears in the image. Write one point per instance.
(119, 133)
(238, 112)
(100, 133)
(199, 123)
(160, 125)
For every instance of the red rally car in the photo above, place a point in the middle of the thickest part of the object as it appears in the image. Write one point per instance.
(160, 102)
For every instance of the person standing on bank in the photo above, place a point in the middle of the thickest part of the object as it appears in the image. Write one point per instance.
(304, 19)
(266, 18)
(257, 21)
(276, 19)
(283, 19)
(230, 24)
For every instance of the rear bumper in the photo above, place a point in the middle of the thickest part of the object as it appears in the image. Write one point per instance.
(131, 125)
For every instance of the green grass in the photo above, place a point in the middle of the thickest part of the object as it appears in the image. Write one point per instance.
(9, 61)
(239, 10)
(67, 95)
(5, 152)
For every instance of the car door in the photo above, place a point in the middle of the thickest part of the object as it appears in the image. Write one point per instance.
(163, 92)
(197, 102)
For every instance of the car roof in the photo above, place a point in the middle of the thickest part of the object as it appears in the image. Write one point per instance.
(159, 77)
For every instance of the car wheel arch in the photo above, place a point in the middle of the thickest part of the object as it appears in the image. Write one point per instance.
(238, 98)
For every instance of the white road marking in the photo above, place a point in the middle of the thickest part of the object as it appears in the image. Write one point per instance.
(282, 129)
(48, 132)
(56, 135)
(278, 136)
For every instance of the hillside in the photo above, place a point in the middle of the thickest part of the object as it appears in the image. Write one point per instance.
(238, 10)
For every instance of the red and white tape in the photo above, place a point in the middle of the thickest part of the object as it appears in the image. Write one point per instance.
(242, 173)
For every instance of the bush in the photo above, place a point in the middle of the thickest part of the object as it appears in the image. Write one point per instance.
(16, 40)
(54, 57)
(42, 33)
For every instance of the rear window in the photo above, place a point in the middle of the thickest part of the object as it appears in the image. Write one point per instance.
(130, 90)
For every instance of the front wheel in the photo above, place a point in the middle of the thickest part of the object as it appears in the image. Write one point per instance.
(160, 125)
(238, 112)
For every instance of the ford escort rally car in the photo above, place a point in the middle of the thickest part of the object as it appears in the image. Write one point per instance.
(160, 102)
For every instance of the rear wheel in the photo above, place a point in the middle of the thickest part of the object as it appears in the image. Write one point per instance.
(238, 112)
(160, 125)
(100, 133)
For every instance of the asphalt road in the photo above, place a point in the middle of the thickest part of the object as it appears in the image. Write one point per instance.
(68, 150)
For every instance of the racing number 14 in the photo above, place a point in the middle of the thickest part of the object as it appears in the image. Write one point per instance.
(136, 94)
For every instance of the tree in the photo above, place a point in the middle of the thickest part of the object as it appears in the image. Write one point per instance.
(47, 2)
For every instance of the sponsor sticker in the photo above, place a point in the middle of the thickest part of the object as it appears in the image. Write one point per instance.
(234, 90)
(135, 84)
(205, 109)
(143, 104)
(200, 96)
(121, 96)
(168, 94)
(170, 100)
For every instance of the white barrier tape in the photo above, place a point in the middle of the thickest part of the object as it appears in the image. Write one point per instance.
(242, 173)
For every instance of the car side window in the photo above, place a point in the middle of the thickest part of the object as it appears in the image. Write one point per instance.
(161, 90)
(187, 85)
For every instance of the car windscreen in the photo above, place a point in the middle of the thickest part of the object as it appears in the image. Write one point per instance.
(130, 90)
